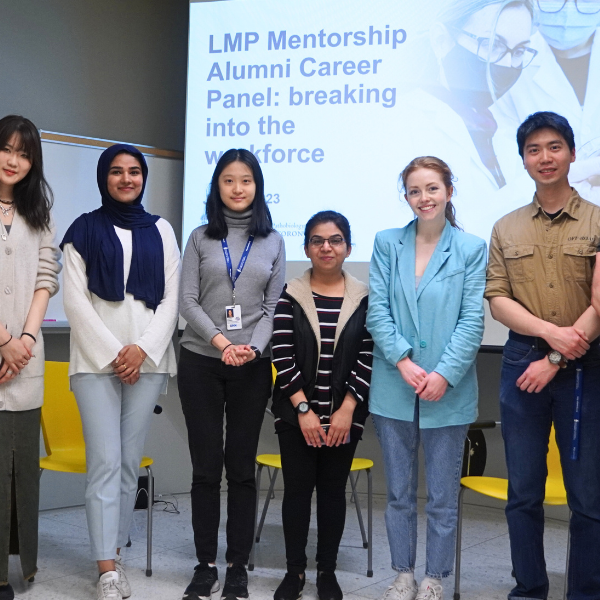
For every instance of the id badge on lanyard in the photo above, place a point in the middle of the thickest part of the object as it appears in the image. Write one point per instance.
(233, 312)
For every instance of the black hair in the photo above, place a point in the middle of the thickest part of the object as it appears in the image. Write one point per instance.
(32, 195)
(328, 216)
(544, 120)
(261, 223)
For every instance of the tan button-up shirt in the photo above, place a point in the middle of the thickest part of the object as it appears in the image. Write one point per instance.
(546, 265)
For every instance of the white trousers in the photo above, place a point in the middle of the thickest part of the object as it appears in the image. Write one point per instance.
(116, 418)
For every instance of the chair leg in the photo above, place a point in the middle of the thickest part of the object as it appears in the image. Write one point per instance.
(358, 511)
(567, 565)
(458, 544)
(272, 496)
(149, 525)
(352, 498)
(267, 502)
(370, 523)
(251, 559)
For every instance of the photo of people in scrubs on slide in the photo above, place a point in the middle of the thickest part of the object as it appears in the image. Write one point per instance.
(564, 77)
(470, 57)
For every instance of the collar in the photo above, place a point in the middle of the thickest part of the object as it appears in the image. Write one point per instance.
(571, 207)
(408, 235)
(354, 291)
(237, 219)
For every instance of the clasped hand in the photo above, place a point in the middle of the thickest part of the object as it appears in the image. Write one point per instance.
(128, 362)
(571, 342)
(15, 357)
(236, 356)
(428, 386)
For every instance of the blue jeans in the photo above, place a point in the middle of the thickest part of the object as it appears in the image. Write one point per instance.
(115, 418)
(443, 447)
(526, 423)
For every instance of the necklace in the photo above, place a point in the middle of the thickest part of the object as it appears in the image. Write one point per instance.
(5, 211)
(6, 202)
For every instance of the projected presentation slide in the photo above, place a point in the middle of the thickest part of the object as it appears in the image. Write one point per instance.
(335, 97)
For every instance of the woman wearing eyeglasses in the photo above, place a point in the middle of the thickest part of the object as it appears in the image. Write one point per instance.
(564, 77)
(322, 353)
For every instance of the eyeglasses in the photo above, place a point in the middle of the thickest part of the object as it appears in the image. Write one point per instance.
(495, 50)
(585, 7)
(334, 241)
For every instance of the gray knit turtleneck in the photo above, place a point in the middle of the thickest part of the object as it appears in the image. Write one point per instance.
(206, 287)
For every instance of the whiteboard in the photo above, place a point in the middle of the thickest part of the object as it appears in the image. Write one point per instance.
(71, 172)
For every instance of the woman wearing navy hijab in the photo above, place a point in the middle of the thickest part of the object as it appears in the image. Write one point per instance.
(121, 282)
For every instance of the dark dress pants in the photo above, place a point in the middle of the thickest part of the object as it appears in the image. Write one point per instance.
(305, 468)
(209, 391)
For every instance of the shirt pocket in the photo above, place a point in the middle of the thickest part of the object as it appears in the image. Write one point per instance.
(519, 262)
(578, 262)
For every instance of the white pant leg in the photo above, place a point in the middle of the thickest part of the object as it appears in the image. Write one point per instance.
(99, 400)
(137, 409)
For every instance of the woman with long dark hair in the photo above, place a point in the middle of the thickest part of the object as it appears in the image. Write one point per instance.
(233, 274)
(121, 298)
(323, 354)
(29, 274)
(426, 318)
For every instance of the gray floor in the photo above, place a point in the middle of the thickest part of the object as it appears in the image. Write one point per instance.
(66, 571)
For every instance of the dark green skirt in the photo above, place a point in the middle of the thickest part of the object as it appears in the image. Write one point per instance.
(19, 489)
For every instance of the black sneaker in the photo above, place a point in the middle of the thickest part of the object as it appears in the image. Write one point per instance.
(328, 587)
(6, 592)
(204, 582)
(236, 582)
(290, 588)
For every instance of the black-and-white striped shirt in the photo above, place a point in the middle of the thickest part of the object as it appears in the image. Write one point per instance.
(288, 372)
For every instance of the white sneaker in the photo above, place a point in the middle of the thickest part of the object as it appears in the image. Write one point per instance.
(403, 588)
(123, 584)
(432, 592)
(106, 588)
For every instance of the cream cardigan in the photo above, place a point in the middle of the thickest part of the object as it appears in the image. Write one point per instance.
(28, 262)
(99, 328)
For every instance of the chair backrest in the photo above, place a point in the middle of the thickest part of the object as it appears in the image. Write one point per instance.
(61, 422)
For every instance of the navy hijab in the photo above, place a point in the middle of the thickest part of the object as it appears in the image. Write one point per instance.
(94, 237)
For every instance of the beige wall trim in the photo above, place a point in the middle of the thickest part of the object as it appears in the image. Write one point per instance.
(78, 140)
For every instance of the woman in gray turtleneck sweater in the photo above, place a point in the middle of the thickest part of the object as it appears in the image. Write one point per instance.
(225, 369)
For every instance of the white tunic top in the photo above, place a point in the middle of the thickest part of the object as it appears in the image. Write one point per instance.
(99, 328)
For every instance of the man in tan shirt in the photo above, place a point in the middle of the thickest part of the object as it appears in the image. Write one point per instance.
(541, 265)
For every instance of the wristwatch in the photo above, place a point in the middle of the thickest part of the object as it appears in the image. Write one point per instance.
(556, 358)
(302, 408)
(256, 352)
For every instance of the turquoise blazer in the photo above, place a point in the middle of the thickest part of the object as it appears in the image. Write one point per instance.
(439, 325)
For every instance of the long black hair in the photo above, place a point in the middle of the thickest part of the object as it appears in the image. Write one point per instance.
(261, 223)
(32, 195)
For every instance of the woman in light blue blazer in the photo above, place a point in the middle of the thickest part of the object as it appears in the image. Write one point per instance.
(426, 318)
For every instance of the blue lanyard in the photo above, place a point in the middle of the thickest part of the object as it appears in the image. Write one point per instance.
(577, 410)
(234, 276)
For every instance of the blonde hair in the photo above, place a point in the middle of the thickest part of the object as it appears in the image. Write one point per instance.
(440, 167)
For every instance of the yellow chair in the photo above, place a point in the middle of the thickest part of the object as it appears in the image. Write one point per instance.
(273, 461)
(496, 487)
(63, 436)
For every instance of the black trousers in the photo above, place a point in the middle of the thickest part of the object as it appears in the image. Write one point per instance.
(209, 390)
(305, 467)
